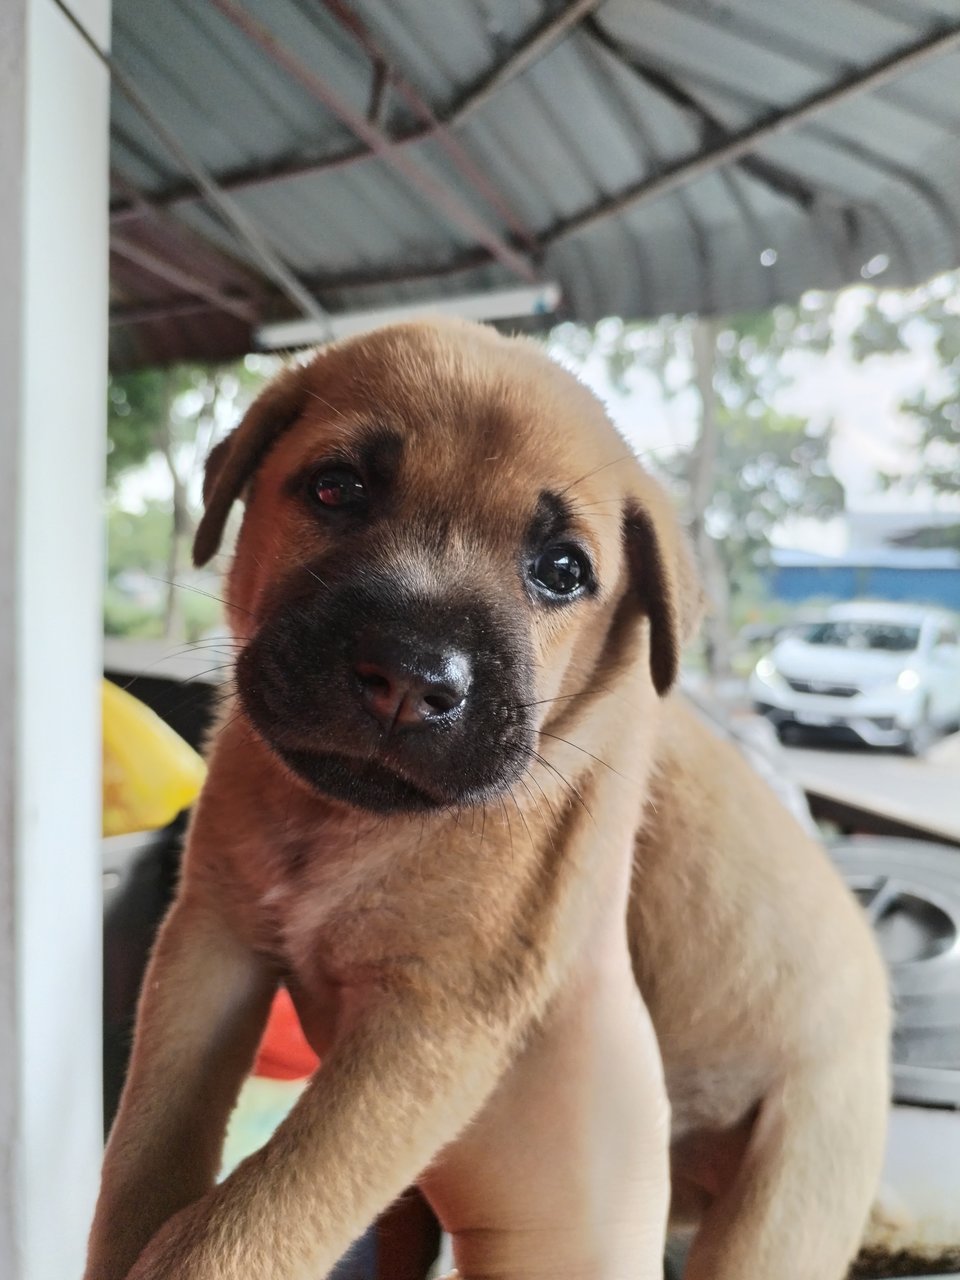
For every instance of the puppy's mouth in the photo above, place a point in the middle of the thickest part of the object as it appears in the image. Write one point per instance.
(374, 785)
(364, 784)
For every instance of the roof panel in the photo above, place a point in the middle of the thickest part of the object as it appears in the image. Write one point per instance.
(566, 113)
(668, 34)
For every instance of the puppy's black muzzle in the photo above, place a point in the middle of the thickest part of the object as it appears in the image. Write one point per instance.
(388, 701)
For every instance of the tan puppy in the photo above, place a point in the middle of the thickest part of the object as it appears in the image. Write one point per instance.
(459, 604)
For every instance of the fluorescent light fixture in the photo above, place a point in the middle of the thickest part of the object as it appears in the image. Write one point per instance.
(500, 304)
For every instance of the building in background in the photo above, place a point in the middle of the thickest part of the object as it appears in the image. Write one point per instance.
(906, 556)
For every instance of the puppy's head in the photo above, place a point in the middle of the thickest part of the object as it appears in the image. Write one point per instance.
(444, 542)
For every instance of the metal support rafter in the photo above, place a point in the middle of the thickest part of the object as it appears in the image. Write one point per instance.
(533, 46)
(196, 252)
(151, 312)
(417, 176)
(165, 270)
(229, 212)
(736, 145)
(712, 129)
(445, 138)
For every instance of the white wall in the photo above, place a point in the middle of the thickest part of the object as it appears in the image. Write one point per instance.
(53, 300)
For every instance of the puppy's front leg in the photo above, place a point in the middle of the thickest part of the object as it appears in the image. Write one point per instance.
(204, 1004)
(409, 1071)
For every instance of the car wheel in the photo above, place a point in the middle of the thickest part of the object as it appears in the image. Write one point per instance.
(920, 738)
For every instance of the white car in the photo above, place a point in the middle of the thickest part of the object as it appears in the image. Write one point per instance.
(887, 673)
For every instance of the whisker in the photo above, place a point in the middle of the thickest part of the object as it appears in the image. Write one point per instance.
(551, 826)
(596, 471)
(542, 760)
(543, 793)
(313, 395)
(524, 821)
(316, 577)
(183, 586)
(577, 747)
(506, 818)
(199, 675)
(564, 697)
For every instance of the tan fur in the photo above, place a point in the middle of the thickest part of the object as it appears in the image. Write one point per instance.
(771, 1008)
(422, 951)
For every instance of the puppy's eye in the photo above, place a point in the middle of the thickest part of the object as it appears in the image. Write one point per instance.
(338, 487)
(560, 570)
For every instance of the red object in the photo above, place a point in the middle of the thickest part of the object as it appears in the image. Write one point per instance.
(284, 1053)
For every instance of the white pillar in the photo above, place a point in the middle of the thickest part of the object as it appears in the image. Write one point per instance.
(53, 315)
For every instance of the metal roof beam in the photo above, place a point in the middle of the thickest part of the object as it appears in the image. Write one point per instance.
(165, 270)
(417, 175)
(200, 254)
(183, 304)
(540, 41)
(230, 213)
(418, 104)
(712, 129)
(741, 143)
(532, 47)
(150, 312)
(875, 157)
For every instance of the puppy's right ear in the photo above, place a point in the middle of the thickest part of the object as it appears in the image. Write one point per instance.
(234, 460)
(664, 580)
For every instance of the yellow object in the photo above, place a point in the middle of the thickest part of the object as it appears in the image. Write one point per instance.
(149, 773)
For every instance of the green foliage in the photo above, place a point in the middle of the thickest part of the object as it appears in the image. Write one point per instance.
(171, 415)
(138, 539)
(893, 323)
(138, 552)
(749, 347)
(125, 617)
(941, 535)
(767, 467)
(771, 468)
(137, 405)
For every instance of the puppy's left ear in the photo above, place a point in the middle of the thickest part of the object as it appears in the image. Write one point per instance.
(233, 461)
(664, 582)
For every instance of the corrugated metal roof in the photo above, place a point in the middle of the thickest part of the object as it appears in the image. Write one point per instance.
(559, 149)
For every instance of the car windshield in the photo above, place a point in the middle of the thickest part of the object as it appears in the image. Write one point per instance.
(890, 637)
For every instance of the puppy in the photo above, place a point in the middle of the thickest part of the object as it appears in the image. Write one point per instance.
(459, 605)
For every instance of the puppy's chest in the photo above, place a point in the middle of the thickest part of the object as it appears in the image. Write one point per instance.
(333, 906)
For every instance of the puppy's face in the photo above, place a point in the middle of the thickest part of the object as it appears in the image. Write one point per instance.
(443, 538)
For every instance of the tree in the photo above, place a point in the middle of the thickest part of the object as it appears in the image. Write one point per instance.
(944, 535)
(751, 467)
(894, 323)
(174, 415)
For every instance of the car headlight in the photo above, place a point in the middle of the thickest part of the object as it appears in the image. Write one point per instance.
(766, 668)
(908, 680)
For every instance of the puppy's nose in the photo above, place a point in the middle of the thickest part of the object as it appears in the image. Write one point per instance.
(403, 685)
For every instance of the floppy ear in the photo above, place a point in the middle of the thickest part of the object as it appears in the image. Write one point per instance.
(664, 583)
(234, 460)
